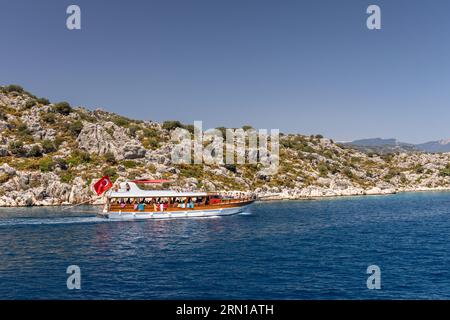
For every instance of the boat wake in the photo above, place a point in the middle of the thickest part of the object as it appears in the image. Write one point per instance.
(75, 220)
(49, 221)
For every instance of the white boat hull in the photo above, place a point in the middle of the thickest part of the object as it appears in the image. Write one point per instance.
(173, 214)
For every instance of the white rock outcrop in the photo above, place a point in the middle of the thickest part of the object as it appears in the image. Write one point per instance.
(101, 139)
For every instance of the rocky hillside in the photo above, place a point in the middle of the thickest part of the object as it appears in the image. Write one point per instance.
(50, 153)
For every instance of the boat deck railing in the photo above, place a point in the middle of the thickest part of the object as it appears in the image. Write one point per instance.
(183, 206)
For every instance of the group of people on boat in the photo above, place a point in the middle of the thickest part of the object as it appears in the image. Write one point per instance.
(159, 204)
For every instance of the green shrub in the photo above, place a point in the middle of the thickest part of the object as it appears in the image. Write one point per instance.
(35, 151)
(403, 178)
(17, 149)
(191, 171)
(328, 153)
(110, 158)
(446, 171)
(78, 157)
(231, 167)
(23, 132)
(43, 101)
(150, 138)
(87, 117)
(84, 156)
(110, 172)
(61, 163)
(348, 173)
(323, 170)
(48, 117)
(133, 130)
(129, 164)
(59, 141)
(247, 127)
(110, 131)
(306, 148)
(392, 173)
(30, 104)
(67, 177)
(419, 169)
(120, 121)
(151, 143)
(150, 133)
(171, 125)
(23, 129)
(48, 146)
(75, 128)
(3, 115)
(46, 164)
(4, 178)
(63, 108)
(387, 157)
(14, 88)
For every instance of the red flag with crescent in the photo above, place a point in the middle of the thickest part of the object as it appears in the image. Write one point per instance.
(102, 185)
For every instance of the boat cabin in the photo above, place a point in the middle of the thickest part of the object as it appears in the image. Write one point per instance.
(128, 197)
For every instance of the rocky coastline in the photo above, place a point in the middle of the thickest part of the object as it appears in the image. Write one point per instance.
(19, 194)
(52, 153)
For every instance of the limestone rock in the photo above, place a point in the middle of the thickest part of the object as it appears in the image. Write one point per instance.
(101, 139)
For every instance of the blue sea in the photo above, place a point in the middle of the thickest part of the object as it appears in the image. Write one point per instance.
(316, 249)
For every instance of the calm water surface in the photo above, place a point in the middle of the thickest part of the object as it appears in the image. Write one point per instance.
(276, 250)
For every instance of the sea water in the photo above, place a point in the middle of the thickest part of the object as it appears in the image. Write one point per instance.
(317, 249)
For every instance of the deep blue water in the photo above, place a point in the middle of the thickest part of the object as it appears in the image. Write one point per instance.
(278, 250)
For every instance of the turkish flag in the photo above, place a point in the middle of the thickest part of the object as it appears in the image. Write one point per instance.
(102, 185)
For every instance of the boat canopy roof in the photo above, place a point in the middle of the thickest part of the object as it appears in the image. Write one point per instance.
(131, 190)
(150, 181)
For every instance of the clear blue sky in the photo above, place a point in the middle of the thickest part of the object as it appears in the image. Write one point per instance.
(300, 66)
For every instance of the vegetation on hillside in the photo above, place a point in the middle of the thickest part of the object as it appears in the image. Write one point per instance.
(39, 136)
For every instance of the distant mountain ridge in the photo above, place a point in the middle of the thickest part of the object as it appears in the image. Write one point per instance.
(392, 145)
(435, 146)
(374, 142)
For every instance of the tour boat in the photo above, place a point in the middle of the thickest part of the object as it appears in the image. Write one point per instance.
(126, 201)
